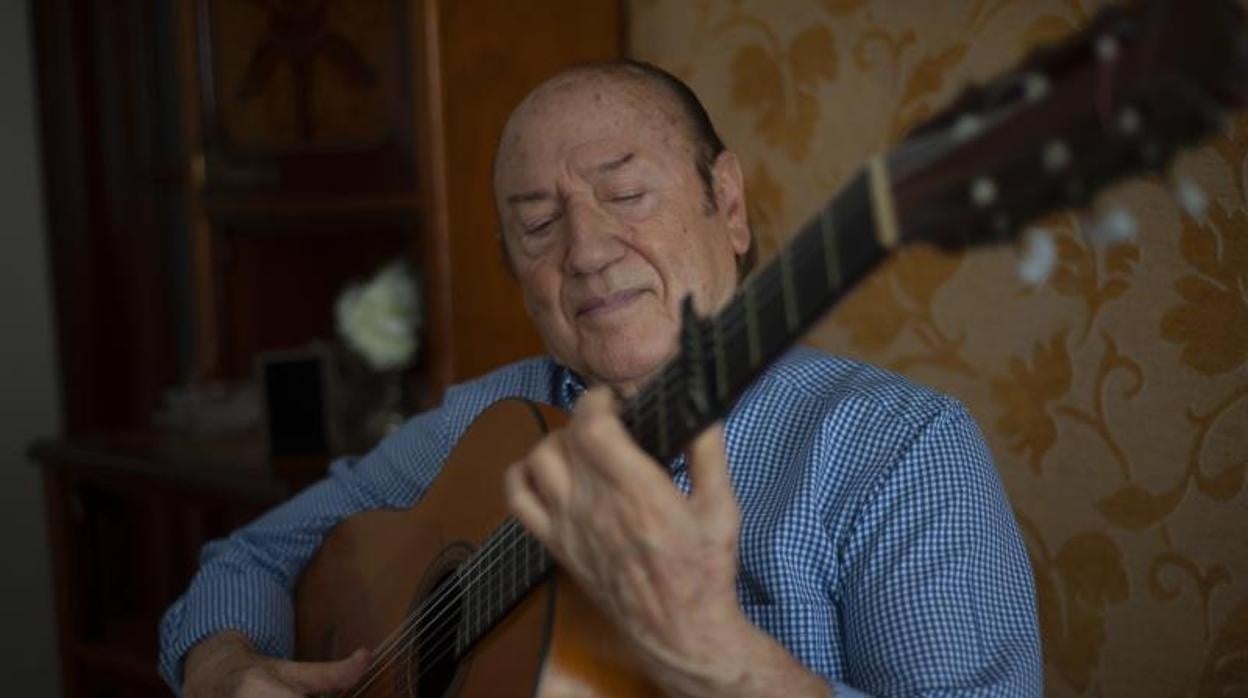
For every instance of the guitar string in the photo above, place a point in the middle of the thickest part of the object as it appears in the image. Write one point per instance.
(442, 603)
(438, 605)
(425, 625)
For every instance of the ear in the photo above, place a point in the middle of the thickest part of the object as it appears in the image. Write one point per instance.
(730, 198)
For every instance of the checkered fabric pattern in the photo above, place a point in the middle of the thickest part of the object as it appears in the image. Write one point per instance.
(877, 544)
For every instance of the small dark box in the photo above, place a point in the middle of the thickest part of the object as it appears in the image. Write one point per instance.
(298, 388)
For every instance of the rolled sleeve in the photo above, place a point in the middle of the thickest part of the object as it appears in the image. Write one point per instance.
(939, 598)
(245, 581)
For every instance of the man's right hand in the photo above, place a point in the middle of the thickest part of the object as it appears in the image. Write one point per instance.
(225, 665)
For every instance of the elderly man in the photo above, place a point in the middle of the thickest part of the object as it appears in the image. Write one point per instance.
(844, 530)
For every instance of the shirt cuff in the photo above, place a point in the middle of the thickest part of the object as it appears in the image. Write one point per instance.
(255, 606)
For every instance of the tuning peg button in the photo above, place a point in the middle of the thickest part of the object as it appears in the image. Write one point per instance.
(983, 192)
(1129, 121)
(1107, 47)
(1118, 225)
(1056, 156)
(1035, 87)
(1191, 197)
(1039, 257)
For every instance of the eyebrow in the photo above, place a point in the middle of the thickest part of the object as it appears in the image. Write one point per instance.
(528, 196)
(613, 165)
(546, 194)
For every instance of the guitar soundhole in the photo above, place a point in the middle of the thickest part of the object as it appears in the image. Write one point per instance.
(433, 666)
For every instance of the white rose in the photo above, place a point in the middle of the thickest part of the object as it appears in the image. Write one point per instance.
(379, 320)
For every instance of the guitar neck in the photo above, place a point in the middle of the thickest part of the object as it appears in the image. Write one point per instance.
(720, 356)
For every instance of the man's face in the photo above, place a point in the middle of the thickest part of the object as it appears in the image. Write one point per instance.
(608, 226)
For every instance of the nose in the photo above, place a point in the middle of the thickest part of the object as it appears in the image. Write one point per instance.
(594, 241)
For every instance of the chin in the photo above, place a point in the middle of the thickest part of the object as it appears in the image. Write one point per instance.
(630, 359)
(625, 356)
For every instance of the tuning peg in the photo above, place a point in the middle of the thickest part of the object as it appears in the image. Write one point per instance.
(1191, 197)
(1055, 156)
(1039, 257)
(1113, 227)
(1035, 87)
(967, 126)
(1107, 47)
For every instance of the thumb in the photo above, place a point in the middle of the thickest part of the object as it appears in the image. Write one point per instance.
(314, 677)
(708, 464)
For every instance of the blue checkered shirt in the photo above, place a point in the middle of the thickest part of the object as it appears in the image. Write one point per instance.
(877, 544)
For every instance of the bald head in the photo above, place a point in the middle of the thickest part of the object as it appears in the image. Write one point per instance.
(657, 88)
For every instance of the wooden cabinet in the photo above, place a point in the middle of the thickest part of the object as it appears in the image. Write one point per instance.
(128, 513)
(216, 171)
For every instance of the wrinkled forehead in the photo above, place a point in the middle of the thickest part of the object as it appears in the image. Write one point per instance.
(574, 118)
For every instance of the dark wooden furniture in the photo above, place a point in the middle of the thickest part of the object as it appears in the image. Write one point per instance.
(128, 513)
(215, 171)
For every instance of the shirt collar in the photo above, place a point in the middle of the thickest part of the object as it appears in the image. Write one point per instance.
(566, 387)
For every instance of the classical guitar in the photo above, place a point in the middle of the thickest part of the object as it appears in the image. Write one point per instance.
(457, 599)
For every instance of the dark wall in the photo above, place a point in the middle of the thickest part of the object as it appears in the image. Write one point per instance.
(28, 395)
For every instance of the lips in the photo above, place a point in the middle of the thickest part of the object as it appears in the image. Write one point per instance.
(604, 305)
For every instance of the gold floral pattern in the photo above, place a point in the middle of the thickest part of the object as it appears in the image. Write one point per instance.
(785, 100)
(1226, 668)
(1024, 395)
(1072, 589)
(907, 287)
(1114, 397)
(1212, 321)
(1205, 582)
(927, 78)
(1095, 417)
(765, 201)
(1079, 272)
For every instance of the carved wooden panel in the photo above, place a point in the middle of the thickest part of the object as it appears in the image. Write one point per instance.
(305, 95)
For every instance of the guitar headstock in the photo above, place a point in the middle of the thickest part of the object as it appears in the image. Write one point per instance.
(1120, 98)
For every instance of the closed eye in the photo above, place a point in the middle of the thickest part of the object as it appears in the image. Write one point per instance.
(628, 197)
(538, 227)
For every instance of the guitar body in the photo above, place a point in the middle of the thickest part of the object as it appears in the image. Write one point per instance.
(374, 569)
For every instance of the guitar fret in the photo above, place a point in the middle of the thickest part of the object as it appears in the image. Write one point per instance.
(721, 363)
(787, 291)
(751, 324)
(831, 254)
(883, 208)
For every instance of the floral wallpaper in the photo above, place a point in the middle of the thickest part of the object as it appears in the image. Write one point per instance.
(1114, 396)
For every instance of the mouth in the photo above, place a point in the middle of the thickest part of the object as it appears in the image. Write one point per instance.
(605, 305)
